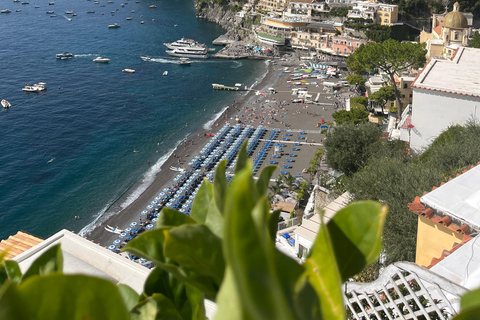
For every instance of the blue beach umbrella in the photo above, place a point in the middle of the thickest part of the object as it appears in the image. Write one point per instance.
(144, 212)
(149, 207)
(154, 219)
(112, 247)
(117, 242)
(123, 235)
(150, 226)
(128, 230)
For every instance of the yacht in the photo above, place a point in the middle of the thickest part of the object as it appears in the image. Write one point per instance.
(142, 22)
(129, 18)
(184, 61)
(165, 73)
(113, 26)
(64, 55)
(91, 11)
(41, 86)
(5, 11)
(18, 10)
(101, 60)
(128, 70)
(189, 52)
(16, 0)
(146, 58)
(25, 2)
(50, 12)
(68, 12)
(152, 6)
(5, 104)
(184, 42)
(51, 3)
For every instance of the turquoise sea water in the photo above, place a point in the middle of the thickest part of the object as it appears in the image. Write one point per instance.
(69, 151)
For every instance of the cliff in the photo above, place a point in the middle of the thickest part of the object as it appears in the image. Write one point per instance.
(223, 16)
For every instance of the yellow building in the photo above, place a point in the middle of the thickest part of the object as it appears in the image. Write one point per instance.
(406, 92)
(379, 13)
(448, 217)
(316, 36)
(387, 14)
(272, 5)
(449, 32)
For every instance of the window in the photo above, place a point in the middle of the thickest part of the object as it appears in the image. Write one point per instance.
(385, 21)
(379, 14)
(405, 86)
(349, 44)
(338, 49)
(403, 96)
(410, 95)
(380, 20)
(344, 49)
(300, 36)
(456, 36)
(386, 15)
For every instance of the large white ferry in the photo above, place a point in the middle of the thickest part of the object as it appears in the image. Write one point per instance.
(189, 52)
(184, 42)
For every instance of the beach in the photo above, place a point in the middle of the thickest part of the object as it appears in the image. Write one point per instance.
(298, 137)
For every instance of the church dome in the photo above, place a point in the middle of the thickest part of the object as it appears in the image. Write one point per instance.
(455, 19)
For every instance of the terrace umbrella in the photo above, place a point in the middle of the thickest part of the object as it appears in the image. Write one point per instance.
(111, 247)
(154, 219)
(149, 207)
(144, 212)
(117, 242)
(150, 226)
(128, 230)
(123, 235)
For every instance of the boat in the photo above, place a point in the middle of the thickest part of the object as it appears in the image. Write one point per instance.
(133, 11)
(68, 12)
(129, 18)
(5, 104)
(64, 55)
(142, 22)
(178, 169)
(16, 0)
(5, 11)
(184, 61)
(41, 86)
(146, 58)
(50, 12)
(152, 6)
(53, 16)
(51, 3)
(113, 26)
(74, 14)
(109, 1)
(113, 230)
(183, 42)
(25, 2)
(101, 60)
(18, 10)
(91, 11)
(165, 73)
(189, 52)
(36, 7)
(128, 70)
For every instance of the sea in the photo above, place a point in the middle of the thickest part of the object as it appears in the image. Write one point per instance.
(76, 148)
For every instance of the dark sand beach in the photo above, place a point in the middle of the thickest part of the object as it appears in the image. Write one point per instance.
(258, 107)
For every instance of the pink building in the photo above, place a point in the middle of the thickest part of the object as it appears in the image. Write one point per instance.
(346, 45)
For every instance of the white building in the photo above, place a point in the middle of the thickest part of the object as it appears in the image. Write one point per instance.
(445, 93)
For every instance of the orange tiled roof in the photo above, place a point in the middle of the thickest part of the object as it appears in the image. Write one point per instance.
(284, 206)
(18, 243)
(438, 29)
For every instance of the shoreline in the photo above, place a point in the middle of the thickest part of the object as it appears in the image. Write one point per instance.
(115, 215)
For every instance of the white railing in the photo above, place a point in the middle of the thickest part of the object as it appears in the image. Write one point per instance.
(287, 223)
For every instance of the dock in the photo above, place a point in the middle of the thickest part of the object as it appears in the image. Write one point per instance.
(237, 87)
(222, 40)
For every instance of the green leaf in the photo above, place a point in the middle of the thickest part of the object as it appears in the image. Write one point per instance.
(10, 270)
(215, 219)
(158, 281)
(129, 296)
(202, 201)
(356, 233)
(264, 179)
(470, 306)
(58, 296)
(195, 308)
(196, 248)
(323, 274)
(148, 245)
(242, 158)
(49, 262)
(273, 224)
(220, 186)
(155, 307)
(172, 218)
(229, 305)
(252, 256)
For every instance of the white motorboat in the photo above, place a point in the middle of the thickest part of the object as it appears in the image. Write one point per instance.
(5, 11)
(152, 6)
(101, 60)
(128, 70)
(91, 11)
(142, 22)
(51, 3)
(184, 62)
(113, 26)
(129, 18)
(146, 58)
(41, 86)
(5, 104)
(50, 12)
(113, 230)
(18, 10)
(189, 52)
(64, 55)
(68, 12)
(178, 169)
(165, 73)
(183, 42)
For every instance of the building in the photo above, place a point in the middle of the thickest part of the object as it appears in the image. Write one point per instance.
(18, 243)
(449, 32)
(406, 92)
(445, 93)
(346, 45)
(317, 36)
(379, 13)
(304, 10)
(279, 28)
(272, 5)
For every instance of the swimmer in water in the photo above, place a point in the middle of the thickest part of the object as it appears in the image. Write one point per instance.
(135, 150)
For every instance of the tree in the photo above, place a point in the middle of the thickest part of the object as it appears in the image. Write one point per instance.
(475, 43)
(347, 146)
(355, 116)
(390, 57)
(357, 80)
(383, 96)
(359, 103)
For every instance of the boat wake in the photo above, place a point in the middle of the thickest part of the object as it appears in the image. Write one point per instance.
(236, 64)
(209, 124)
(163, 60)
(85, 55)
(147, 179)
